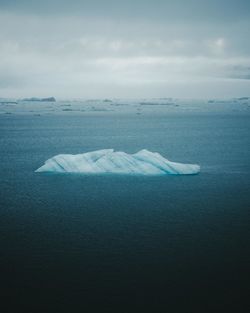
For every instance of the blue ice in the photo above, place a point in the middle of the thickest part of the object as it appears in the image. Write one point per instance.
(104, 161)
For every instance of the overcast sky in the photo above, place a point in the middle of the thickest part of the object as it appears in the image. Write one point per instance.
(139, 48)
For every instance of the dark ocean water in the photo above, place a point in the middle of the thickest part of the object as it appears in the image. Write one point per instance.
(73, 243)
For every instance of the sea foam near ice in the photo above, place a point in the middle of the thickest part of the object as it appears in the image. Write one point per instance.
(105, 161)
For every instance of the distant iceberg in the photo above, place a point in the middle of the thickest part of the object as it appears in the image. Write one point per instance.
(50, 99)
(106, 161)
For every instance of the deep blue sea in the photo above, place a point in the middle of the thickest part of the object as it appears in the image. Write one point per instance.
(77, 243)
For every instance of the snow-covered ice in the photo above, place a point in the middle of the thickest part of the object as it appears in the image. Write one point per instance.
(104, 161)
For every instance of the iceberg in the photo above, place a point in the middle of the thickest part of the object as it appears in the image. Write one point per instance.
(49, 99)
(106, 161)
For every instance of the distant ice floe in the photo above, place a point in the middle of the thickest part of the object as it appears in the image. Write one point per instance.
(33, 99)
(106, 161)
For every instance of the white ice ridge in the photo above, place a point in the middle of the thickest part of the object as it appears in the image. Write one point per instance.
(143, 162)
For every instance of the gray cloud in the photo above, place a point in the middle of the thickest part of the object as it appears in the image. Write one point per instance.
(225, 10)
(114, 48)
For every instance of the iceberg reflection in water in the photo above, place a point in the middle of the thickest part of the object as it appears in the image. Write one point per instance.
(104, 161)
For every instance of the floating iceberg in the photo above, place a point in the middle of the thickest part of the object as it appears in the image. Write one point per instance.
(105, 161)
(50, 99)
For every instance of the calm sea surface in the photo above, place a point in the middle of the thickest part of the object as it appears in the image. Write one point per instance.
(75, 243)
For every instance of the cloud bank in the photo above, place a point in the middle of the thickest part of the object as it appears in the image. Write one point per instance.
(85, 49)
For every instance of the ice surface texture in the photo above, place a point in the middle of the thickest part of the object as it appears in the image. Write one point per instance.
(105, 161)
